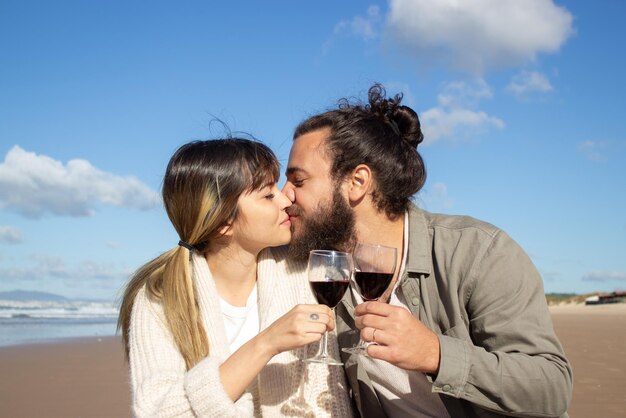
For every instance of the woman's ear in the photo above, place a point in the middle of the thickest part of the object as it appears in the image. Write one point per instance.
(359, 182)
(226, 230)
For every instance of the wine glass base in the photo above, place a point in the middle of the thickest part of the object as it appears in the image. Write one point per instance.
(323, 360)
(360, 350)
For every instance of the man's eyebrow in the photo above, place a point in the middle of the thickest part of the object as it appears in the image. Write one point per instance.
(294, 170)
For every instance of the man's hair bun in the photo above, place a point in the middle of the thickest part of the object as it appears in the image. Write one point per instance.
(402, 120)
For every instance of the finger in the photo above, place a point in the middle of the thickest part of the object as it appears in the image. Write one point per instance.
(320, 318)
(311, 338)
(314, 328)
(380, 351)
(358, 322)
(305, 339)
(375, 308)
(373, 334)
(367, 320)
(374, 321)
(367, 334)
(331, 324)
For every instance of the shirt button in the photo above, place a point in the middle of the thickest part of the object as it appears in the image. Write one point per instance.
(415, 301)
(446, 388)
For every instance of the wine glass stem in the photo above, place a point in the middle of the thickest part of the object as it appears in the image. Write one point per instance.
(323, 346)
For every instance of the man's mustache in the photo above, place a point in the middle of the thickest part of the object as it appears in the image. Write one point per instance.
(294, 210)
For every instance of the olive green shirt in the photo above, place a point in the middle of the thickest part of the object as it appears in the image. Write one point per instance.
(479, 292)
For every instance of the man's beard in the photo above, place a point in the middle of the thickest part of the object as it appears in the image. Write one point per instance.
(330, 227)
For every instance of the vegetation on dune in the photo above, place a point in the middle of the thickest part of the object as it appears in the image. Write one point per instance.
(573, 298)
(558, 298)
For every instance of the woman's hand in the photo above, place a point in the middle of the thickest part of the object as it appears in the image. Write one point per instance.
(302, 325)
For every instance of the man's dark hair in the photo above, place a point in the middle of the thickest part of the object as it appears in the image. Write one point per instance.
(381, 134)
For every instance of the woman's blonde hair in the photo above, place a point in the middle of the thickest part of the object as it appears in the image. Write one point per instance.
(201, 188)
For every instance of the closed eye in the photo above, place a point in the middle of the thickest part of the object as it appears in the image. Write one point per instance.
(296, 176)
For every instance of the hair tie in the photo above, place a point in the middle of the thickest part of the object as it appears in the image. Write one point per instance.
(186, 245)
(394, 127)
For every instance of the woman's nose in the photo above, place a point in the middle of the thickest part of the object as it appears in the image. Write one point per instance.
(289, 192)
(284, 201)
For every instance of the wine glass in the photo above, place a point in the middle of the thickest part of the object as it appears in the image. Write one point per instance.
(374, 266)
(329, 277)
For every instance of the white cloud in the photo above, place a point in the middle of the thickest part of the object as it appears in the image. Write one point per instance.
(465, 93)
(551, 276)
(526, 83)
(363, 27)
(33, 185)
(440, 123)
(599, 151)
(52, 267)
(478, 35)
(454, 112)
(592, 150)
(604, 276)
(10, 235)
(114, 245)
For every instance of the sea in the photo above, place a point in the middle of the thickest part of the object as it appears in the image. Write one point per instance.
(28, 322)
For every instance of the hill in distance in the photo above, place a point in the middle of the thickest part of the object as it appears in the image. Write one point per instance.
(24, 295)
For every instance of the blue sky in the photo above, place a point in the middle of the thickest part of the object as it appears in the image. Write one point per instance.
(521, 104)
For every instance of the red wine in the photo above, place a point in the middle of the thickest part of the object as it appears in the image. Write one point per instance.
(329, 293)
(372, 285)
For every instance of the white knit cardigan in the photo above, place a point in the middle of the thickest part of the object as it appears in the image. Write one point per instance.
(162, 387)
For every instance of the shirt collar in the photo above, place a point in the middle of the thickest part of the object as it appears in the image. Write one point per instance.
(418, 255)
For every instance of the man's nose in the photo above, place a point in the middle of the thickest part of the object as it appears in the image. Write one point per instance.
(288, 190)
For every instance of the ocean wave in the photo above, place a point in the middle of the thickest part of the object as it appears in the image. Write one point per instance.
(60, 310)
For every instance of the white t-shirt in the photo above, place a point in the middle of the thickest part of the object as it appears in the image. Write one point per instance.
(241, 322)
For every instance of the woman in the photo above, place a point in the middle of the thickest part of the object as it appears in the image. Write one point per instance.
(198, 343)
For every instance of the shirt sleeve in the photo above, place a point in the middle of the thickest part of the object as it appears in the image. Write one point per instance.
(513, 362)
(161, 385)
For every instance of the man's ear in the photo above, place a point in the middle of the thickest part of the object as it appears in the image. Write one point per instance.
(359, 182)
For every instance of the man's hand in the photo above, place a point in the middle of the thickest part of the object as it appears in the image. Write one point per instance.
(404, 341)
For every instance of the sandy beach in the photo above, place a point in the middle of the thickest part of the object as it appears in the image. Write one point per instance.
(88, 377)
(594, 338)
(72, 378)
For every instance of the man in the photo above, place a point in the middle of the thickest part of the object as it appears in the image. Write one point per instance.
(466, 332)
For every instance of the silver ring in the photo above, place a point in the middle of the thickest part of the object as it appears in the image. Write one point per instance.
(314, 317)
(374, 335)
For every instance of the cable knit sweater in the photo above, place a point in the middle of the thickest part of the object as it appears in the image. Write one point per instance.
(162, 387)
